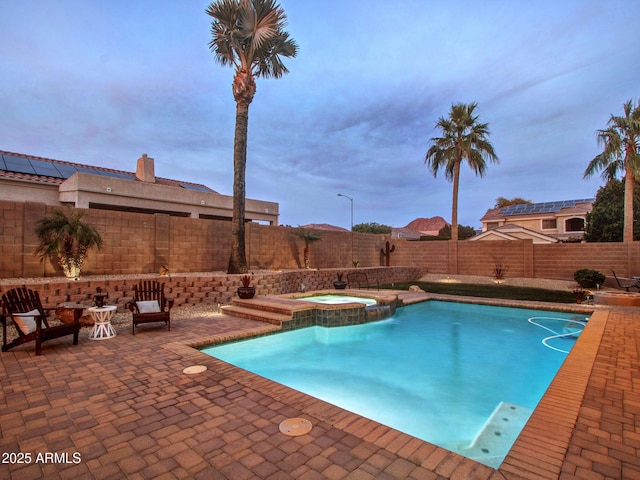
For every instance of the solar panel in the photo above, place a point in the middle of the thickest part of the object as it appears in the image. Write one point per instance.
(18, 165)
(544, 207)
(66, 170)
(93, 171)
(51, 168)
(105, 173)
(46, 169)
(125, 176)
(197, 188)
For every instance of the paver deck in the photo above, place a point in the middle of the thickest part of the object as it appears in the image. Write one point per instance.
(123, 408)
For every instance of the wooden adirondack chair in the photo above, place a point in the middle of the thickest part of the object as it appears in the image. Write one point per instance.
(23, 308)
(150, 304)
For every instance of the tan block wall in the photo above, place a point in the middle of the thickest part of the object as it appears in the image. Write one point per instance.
(562, 259)
(11, 239)
(480, 258)
(136, 243)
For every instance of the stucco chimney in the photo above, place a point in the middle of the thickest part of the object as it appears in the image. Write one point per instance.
(145, 169)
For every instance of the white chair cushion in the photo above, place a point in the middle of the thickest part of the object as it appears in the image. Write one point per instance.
(148, 306)
(26, 321)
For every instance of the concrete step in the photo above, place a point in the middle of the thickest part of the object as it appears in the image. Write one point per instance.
(282, 306)
(494, 440)
(255, 314)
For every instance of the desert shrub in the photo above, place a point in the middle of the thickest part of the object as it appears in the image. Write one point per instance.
(587, 278)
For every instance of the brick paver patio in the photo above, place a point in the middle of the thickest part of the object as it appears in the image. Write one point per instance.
(123, 408)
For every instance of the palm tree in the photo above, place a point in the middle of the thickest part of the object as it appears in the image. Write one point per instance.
(247, 35)
(68, 238)
(620, 153)
(463, 138)
(309, 237)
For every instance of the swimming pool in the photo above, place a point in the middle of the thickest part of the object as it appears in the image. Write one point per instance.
(464, 377)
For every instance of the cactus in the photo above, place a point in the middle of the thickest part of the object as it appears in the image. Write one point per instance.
(387, 251)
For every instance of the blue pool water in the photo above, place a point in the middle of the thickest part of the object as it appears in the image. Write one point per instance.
(465, 377)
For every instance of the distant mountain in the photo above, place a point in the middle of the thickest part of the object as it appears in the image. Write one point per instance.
(427, 226)
(324, 226)
(420, 226)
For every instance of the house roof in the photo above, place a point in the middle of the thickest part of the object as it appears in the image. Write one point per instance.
(514, 232)
(49, 171)
(427, 225)
(565, 206)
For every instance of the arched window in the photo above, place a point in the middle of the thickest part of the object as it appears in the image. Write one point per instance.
(574, 225)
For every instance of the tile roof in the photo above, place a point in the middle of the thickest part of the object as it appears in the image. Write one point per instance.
(50, 171)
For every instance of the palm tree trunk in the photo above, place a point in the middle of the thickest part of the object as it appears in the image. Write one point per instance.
(627, 236)
(454, 202)
(238, 260)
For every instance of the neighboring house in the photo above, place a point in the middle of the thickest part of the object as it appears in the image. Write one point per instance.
(564, 220)
(25, 178)
(404, 232)
(513, 232)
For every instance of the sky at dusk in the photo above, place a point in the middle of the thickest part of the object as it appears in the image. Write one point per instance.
(101, 82)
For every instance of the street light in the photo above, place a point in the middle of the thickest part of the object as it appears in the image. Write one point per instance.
(351, 200)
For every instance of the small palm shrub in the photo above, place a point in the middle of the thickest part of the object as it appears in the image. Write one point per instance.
(66, 237)
(309, 237)
(587, 278)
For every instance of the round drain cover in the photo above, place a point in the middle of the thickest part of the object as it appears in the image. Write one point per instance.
(294, 427)
(194, 369)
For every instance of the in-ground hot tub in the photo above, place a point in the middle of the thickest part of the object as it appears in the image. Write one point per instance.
(338, 309)
(627, 299)
(333, 299)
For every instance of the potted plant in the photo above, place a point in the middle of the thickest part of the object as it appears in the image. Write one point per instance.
(246, 290)
(340, 284)
(99, 298)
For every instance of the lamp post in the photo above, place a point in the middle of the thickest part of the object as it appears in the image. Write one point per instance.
(351, 200)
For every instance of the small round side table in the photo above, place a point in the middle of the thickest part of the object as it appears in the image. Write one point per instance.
(102, 328)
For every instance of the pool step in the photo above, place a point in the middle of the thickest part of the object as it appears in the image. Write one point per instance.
(496, 437)
(271, 304)
(257, 314)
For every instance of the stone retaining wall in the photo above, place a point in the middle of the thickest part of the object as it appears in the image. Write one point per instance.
(201, 288)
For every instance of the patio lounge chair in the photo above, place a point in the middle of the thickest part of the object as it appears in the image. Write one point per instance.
(625, 286)
(23, 307)
(361, 280)
(150, 304)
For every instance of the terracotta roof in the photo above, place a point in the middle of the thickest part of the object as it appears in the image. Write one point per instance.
(492, 214)
(57, 180)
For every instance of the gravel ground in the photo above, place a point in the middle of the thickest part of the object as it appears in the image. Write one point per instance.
(516, 282)
(177, 313)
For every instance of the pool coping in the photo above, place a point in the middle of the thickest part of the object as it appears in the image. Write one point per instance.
(538, 452)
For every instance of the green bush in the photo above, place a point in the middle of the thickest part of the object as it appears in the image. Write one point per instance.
(587, 278)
